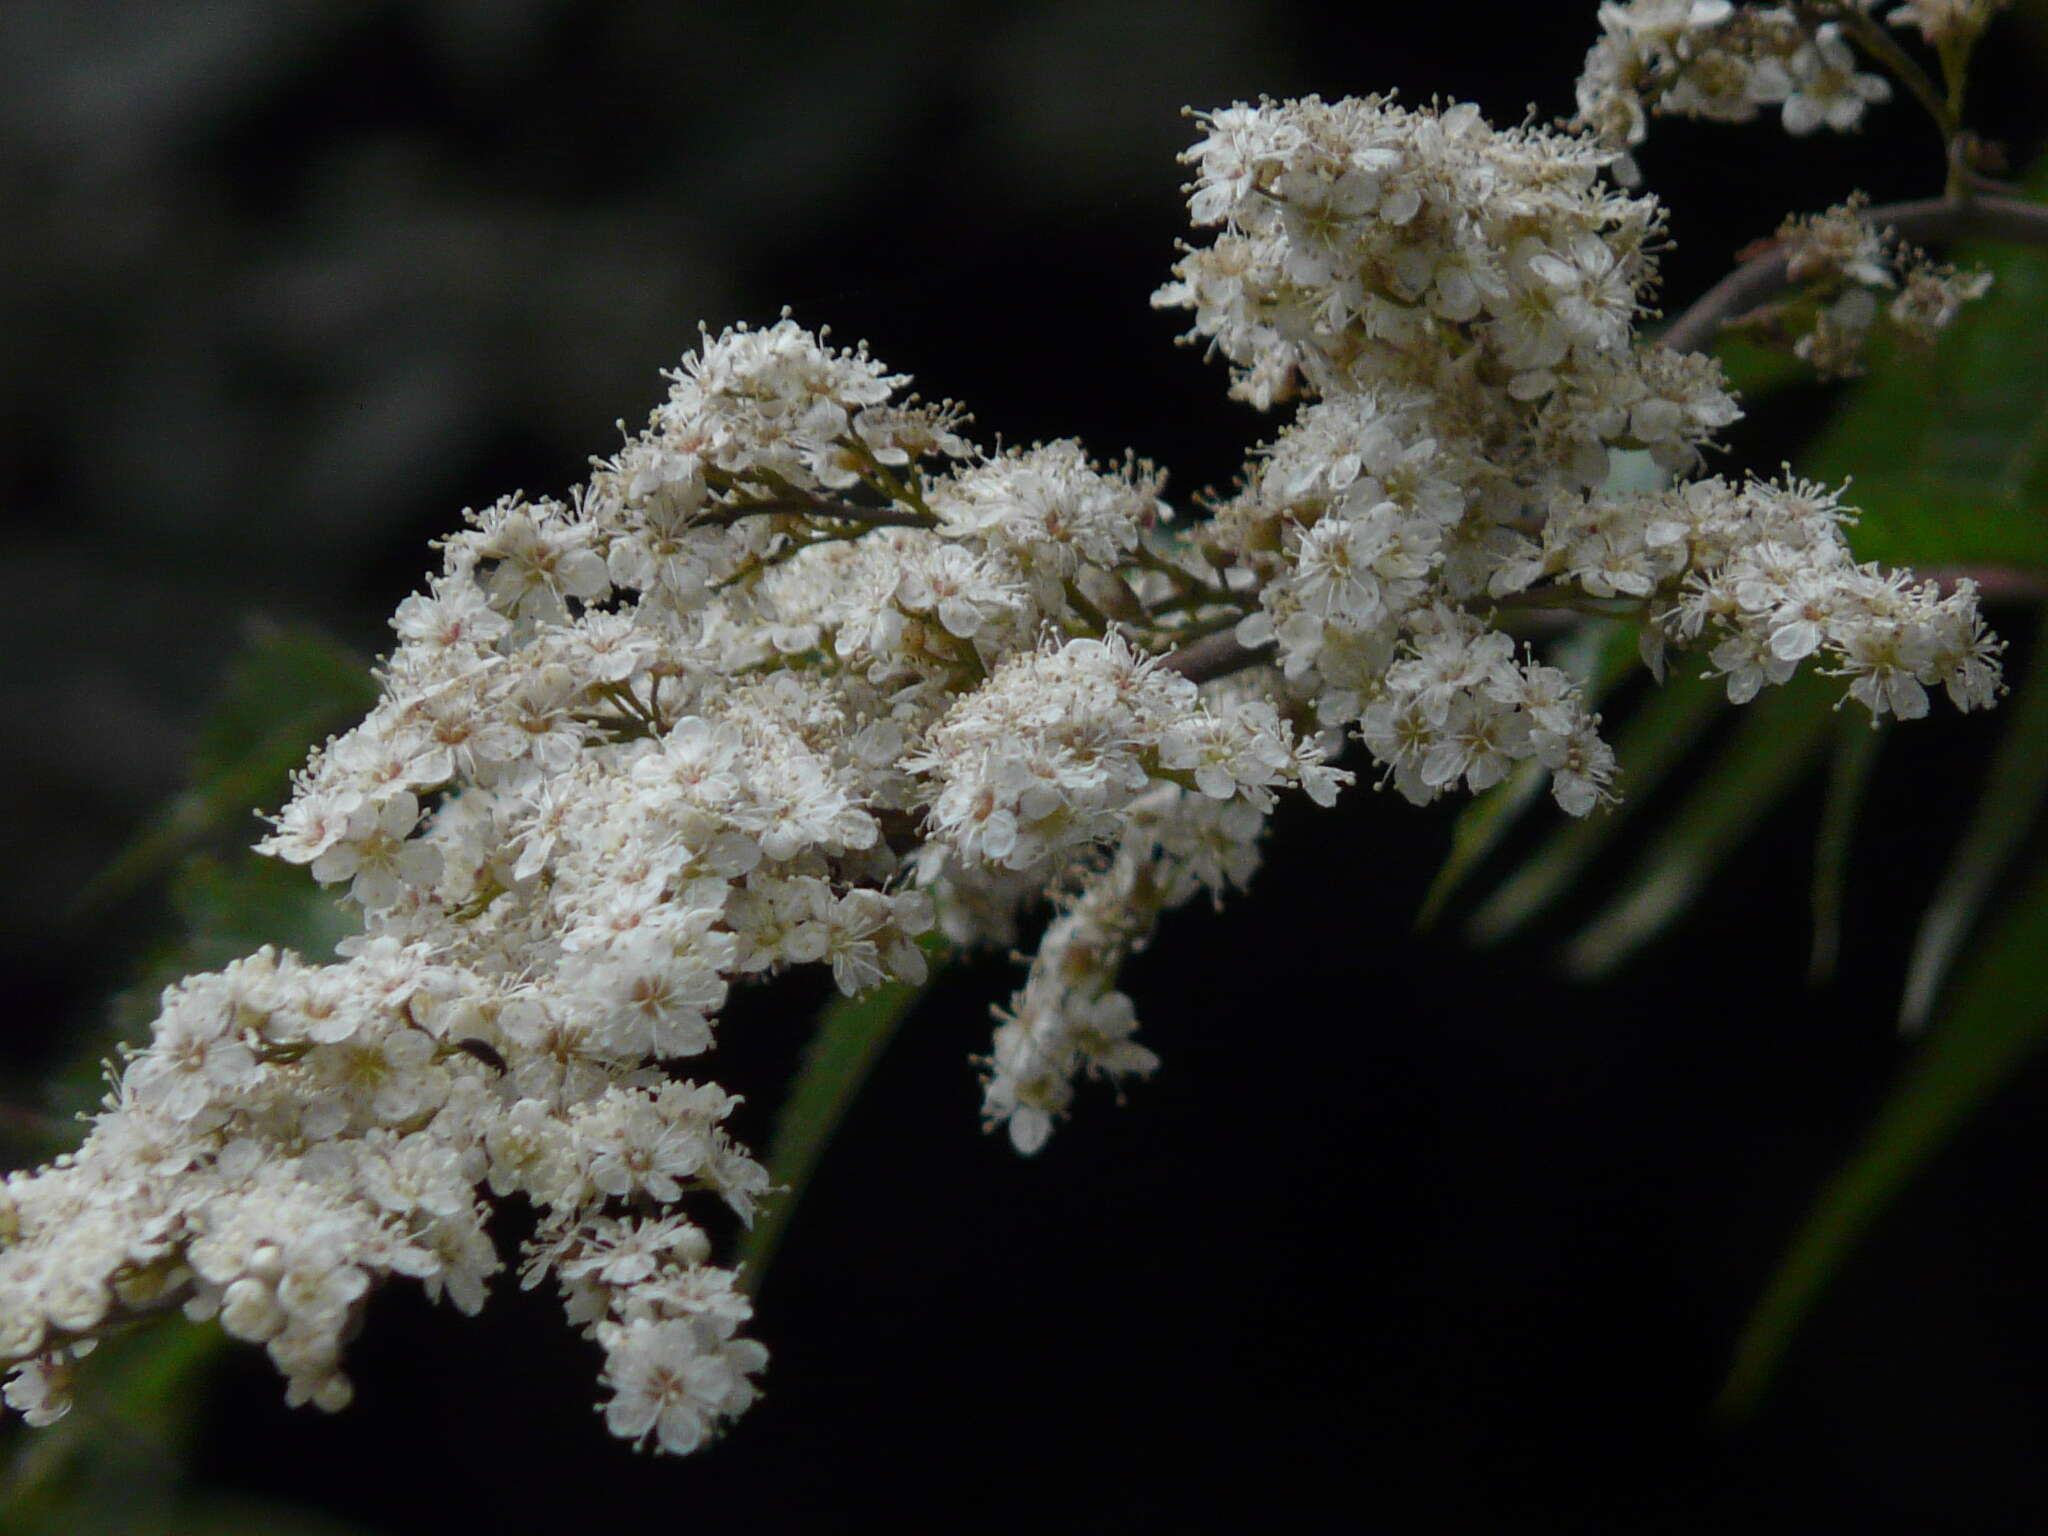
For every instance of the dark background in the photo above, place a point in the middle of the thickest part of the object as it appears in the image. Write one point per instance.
(1428, 1230)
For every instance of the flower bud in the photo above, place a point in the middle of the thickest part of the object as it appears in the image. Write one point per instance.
(250, 1311)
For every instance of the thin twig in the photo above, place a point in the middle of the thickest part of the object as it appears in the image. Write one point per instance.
(1934, 218)
(19, 1123)
(728, 513)
(1995, 583)
(1211, 657)
(1219, 655)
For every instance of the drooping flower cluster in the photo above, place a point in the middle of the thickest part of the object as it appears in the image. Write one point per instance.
(682, 729)
(1174, 839)
(801, 674)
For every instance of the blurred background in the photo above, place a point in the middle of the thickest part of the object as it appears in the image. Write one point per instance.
(286, 285)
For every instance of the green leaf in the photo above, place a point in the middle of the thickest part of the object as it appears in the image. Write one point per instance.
(1649, 746)
(1849, 770)
(116, 1462)
(230, 906)
(849, 1039)
(1996, 1018)
(280, 695)
(1599, 655)
(1758, 372)
(1477, 830)
(290, 689)
(1775, 741)
(226, 906)
(1948, 449)
(226, 1515)
(113, 1463)
(2009, 806)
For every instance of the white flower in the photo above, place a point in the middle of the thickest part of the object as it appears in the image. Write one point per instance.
(696, 722)
(39, 1389)
(1826, 88)
(377, 854)
(1940, 21)
(192, 1067)
(675, 1382)
(637, 1142)
(1581, 765)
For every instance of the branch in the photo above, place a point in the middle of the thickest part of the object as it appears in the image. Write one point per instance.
(1211, 657)
(1995, 217)
(1995, 583)
(1935, 218)
(1221, 654)
(804, 505)
(18, 1123)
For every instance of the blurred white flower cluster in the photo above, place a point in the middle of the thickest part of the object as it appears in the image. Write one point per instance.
(1853, 281)
(1945, 22)
(1725, 62)
(802, 675)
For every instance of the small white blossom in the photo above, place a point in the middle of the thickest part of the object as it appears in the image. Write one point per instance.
(674, 1382)
(803, 674)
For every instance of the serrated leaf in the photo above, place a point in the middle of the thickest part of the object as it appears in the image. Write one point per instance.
(289, 691)
(226, 907)
(849, 1038)
(279, 695)
(1998, 1015)
(1649, 746)
(2008, 807)
(1948, 449)
(291, 688)
(1775, 741)
(115, 1463)
(230, 906)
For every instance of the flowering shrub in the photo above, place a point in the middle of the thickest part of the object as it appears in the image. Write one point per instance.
(803, 675)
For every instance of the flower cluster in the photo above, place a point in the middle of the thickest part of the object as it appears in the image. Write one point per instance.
(1468, 321)
(1721, 61)
(1069, 1018)
(801, 675)
(1854, 280)
(1759, 575)
(703, 721)
(1946, 22)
